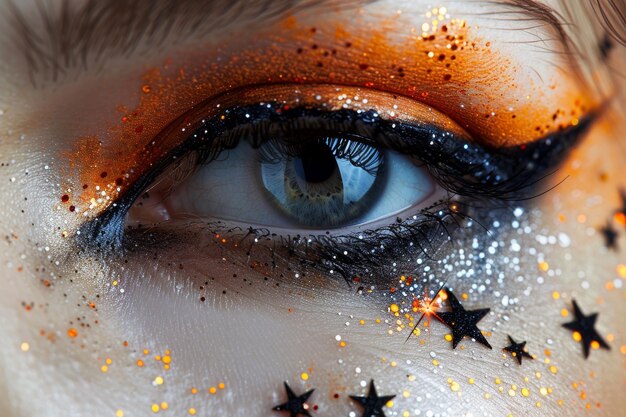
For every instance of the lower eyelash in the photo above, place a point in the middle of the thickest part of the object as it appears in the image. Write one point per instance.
(365, 257)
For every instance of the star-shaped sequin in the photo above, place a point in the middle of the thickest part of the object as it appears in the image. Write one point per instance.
(373, 404)
(584, 330)
(463, 322)
(610, 236)
(517, 349)
(295, 404)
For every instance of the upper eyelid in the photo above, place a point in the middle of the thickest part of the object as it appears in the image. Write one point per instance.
(96, 35)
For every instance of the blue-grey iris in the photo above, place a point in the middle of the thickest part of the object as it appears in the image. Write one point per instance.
(327, 183)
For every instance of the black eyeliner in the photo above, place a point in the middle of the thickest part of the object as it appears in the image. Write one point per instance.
(464, 169)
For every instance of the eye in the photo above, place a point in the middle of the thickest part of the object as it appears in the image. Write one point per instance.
(301, 167)
(302, 180)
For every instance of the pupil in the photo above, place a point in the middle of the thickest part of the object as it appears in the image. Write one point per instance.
(316, 163)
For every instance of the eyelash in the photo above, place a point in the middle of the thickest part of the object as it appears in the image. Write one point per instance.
(475, 178)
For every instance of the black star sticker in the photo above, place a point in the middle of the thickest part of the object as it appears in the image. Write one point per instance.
(610, 236)
(295, 405)
(463, 322)
(517, 349)
(584, 326)
(373, 404)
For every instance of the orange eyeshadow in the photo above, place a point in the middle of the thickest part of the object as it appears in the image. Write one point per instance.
(446, 76)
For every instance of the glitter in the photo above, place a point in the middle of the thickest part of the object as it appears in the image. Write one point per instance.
(192, 411)
(564, 312)
(454, 386)
(221, 385)
(104, 368)
(119, 413)
(304, 376)
(164, 406)
(25, 347)
(556, 295)
(553, 369)
(525, 392)
(167, 359)
(72, 333)
(212, 390)
(139, 363)
(394, 308)
(577, 336)
(155, 408)
(621, 270)
(158, 381)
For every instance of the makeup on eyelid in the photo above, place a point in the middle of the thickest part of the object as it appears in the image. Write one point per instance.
(448, 68)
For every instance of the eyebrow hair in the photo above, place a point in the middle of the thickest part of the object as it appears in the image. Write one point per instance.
(68, 36)
(62, 36)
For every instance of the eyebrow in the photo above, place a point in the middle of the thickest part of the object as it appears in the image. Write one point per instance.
(59, 36)
(68, 37)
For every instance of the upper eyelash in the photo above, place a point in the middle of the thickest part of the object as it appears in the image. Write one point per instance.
(462, 168)
(362, 155)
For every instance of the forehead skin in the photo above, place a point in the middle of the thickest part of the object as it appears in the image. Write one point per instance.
(73, 344)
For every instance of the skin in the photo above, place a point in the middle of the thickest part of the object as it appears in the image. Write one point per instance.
(252, 335)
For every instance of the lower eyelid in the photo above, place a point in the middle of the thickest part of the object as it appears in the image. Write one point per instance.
(341, 255)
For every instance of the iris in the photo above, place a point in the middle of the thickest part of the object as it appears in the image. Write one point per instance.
(329, 182)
